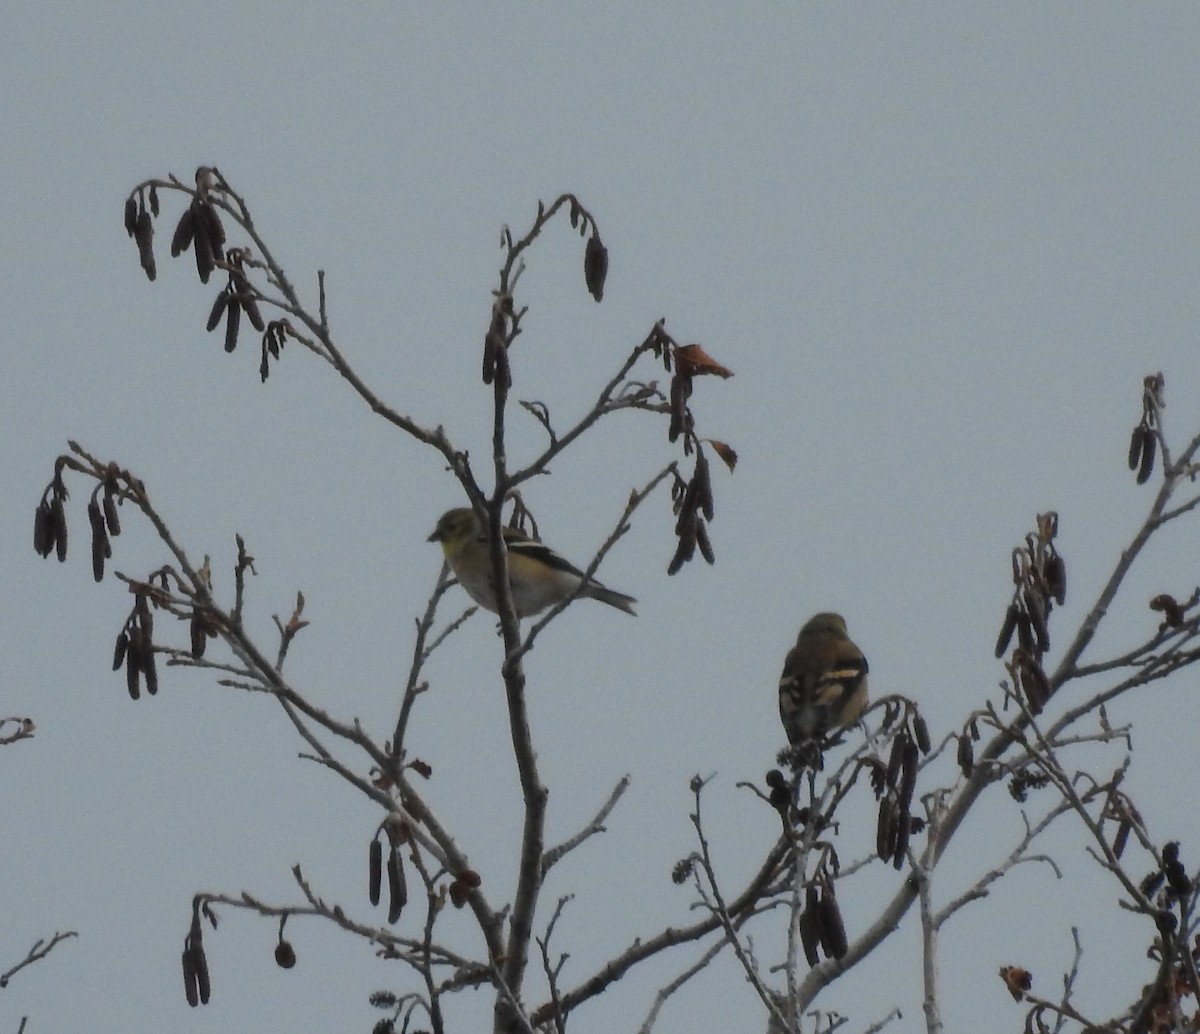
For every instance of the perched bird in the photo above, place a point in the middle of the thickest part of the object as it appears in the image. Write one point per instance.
(539, 577)
(824, 684)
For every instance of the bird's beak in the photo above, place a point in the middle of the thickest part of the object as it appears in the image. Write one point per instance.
(435, 537)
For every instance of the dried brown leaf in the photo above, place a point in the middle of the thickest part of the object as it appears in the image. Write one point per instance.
(727, 453)
(1017, 980)
(692, 361)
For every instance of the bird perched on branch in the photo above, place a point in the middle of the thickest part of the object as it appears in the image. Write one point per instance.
(823, 688)
(539, 576)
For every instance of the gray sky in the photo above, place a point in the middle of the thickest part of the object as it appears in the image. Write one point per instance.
(939, 246)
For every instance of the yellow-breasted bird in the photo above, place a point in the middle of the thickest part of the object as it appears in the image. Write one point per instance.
(539, 576)
(824, 684)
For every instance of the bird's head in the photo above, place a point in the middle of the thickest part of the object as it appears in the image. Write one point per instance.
(455, 527)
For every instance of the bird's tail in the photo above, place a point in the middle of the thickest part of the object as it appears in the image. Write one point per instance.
(610, 596)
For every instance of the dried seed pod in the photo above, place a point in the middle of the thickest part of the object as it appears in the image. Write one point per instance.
(896, 758)
(903, 828)
(500, 314)
(96, 519)
(1036, 608)
(1167, 924)
(1035, 684)
(885, 829)
(133, 663)
(1006, 630)
(143, 233)
(493, 345)
(217, 311)
(685, 550)
(686, 507)
(595, 266)
(1135, 446)
(459, 893)
(1149, 446)
(574, 211)
(1025, 632)
(831, 926)
(503, 370)
(374, 870)
(202, 247)
(154, 200)
(233, 318)
(274, 338)
(681, 391)
(908, 779)
(921, 731)
(191, 987)
(704, 545)
(43, 529)
(703, 482)
(1177, 879)
(131, 214)
(250, 304)
(111, 517)
(198, 631)
(200, 962)
(682, 870)
(149, 668)
(101, 550)
(1122, 837)
(781, 800)
(397, 889)
(810, 934)
(214, 229)
(966, 755)
(181, 239)
(877, 772)
(285, 955)
(58, 517)
(1056, 579)
(144, 616)
(119, 651)
(1149, 886)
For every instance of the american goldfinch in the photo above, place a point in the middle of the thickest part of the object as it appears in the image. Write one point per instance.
(824, 683)
(539, 577)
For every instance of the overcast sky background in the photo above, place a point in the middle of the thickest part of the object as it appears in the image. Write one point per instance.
(939, 246)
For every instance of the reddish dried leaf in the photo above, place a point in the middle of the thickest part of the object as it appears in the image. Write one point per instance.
(727, 453)
(692, 360)
(1017, 980)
